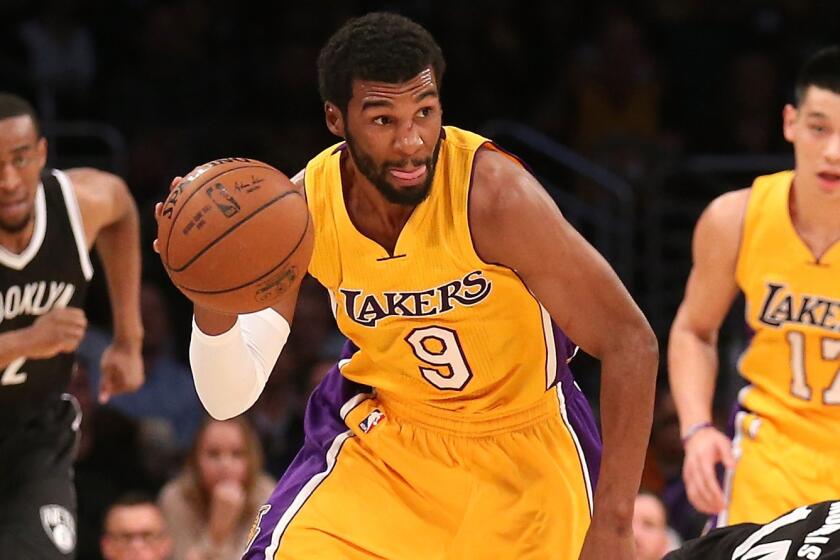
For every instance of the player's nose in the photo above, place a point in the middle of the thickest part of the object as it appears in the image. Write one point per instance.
(9, 177)
(832, 149)
(409, 141)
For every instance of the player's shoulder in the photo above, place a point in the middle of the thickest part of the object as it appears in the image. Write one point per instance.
(498, 183)
(93, 186)
(84, 177)
(725, 214)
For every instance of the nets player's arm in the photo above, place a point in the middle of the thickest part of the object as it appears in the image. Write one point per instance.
(59, 330)
(692, 349)
(232, 356)
(514, 222)
(110, 220)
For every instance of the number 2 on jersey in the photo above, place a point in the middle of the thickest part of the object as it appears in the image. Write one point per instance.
(440, 347)
(12, 374)
(829, 350)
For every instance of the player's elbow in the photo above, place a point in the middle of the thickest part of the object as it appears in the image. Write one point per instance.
(219, 407)
(642, 348)
(224, 394)
(648, 345)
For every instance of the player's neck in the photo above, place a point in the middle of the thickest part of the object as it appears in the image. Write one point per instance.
(816, 217)
(369, 211)
(18, 241)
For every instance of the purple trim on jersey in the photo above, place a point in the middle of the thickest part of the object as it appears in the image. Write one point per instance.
(578, 411)
(322, 425)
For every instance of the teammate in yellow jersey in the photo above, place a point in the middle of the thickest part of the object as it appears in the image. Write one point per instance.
(452, 428)
(779, 243)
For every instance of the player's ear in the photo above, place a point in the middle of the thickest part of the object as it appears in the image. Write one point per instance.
(789, 114)
(335, 120)
(41, 151)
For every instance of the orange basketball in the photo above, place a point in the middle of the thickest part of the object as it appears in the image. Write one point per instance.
(234, 235)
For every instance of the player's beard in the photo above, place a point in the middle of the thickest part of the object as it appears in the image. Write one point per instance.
(378, 175)
(16, 226)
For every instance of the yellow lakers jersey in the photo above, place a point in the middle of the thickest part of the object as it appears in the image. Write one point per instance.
(793, 308)
(434, 325)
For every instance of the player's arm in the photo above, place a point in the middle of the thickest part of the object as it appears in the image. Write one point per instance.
(514, 222)
(59, 330)
(692, 348)
(232, 356)
(111, 222)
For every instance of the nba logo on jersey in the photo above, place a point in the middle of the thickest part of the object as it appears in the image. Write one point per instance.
(371, 420)
(60, 527)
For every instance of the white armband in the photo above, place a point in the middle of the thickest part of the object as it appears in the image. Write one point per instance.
(230, 370)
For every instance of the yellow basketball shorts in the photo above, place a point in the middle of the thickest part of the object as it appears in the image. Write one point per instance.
(374, 480)
(774, 474)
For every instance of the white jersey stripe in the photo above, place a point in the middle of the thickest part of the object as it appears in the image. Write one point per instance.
(75, 222)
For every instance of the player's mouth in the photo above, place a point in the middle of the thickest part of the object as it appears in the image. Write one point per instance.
(829, 181)
(407, 176)
(14, 207)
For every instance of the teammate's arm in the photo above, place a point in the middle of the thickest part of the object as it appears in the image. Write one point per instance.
(514, 222)
(232, 356)
(110, 220)
(692, 348)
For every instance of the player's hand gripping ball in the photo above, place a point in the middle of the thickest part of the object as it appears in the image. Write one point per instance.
(234, 235)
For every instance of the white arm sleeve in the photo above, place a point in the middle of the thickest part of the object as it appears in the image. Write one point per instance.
(230, 369)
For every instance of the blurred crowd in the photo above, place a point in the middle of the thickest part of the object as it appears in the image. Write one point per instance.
(186, 81)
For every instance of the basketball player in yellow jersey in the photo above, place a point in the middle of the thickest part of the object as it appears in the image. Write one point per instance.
(452, 428)
(779, 243)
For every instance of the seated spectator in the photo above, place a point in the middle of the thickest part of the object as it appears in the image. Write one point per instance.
(210, 507)
(650, 529)
(135, 529)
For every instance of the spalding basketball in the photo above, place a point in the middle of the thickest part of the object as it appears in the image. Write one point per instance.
(234, 235)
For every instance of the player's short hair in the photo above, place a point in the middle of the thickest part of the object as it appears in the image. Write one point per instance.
(12, 105)
(821, 70)
(379, 46)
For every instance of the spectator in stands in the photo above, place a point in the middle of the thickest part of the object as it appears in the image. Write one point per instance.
(135, 529)
(210, 507)
(650, 529)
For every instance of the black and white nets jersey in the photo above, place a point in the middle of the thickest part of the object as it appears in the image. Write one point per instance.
(806, 533)
(52, 271)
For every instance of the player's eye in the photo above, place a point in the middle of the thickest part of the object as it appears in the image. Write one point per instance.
(425, 112)
(382, 121)
(20, 161)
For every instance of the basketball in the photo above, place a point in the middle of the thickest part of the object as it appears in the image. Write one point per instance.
(234, 235)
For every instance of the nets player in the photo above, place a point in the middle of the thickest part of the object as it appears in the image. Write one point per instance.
(48, 222)
(452, 428)
(806, 533)
(778, 242)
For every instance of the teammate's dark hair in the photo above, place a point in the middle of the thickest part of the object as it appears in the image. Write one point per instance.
(12, 105)
(379, 46)
(821, 70)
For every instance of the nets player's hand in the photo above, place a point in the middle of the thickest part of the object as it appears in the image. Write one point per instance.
(703, 452)
(608, 539)
(122, 370)
(61, 330)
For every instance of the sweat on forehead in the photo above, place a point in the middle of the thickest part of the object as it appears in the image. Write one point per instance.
(414, 86)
